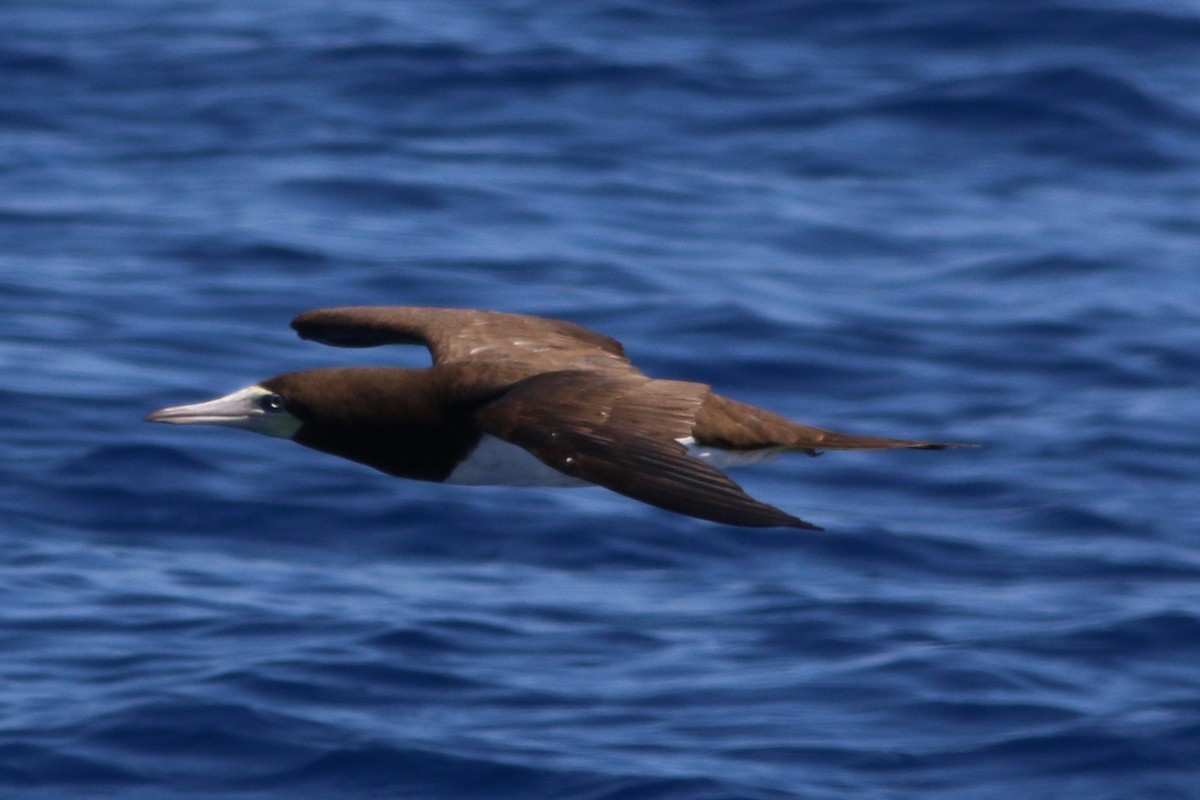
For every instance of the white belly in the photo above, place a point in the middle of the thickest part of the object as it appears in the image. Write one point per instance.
(724, 459)
(495, 462)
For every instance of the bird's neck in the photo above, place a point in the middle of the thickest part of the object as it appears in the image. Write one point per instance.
(410, 423)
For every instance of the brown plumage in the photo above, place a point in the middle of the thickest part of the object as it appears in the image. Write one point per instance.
(565, 394)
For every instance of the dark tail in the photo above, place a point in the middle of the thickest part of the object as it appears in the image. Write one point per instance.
(731, 425)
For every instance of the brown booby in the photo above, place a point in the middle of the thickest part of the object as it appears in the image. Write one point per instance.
(515, 400)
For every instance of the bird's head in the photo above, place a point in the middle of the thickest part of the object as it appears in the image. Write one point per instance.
(263, 408)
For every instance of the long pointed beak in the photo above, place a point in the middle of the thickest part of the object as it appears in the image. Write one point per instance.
(228, 410)
(241, 409)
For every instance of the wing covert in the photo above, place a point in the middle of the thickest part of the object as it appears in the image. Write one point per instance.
(460, 334)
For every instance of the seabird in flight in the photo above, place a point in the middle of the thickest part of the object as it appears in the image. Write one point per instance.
(515, 400)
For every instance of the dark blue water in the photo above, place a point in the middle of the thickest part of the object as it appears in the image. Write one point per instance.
(973, 220)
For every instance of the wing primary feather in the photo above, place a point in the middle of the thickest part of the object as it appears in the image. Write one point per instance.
(662, 474)
(620, 432)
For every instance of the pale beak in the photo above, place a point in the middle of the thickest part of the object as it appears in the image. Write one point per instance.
(241, 409)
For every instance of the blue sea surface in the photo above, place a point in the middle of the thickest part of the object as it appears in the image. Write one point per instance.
(975, 220)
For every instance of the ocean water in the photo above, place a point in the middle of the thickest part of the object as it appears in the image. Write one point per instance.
(972, 220)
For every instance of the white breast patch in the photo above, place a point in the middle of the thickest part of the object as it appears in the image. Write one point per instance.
(495, 462)
(724, 459)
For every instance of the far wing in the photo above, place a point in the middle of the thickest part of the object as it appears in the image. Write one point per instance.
(620, 432)
(458, 334)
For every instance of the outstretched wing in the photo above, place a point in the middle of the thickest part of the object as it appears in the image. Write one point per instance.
(620, 431)
(455, 335)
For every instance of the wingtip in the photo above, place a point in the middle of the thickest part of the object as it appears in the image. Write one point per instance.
(782, 519)
(322, 325)
(300, 322)
(320, 316)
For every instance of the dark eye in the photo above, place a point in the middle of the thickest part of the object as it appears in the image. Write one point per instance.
(270, 403)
